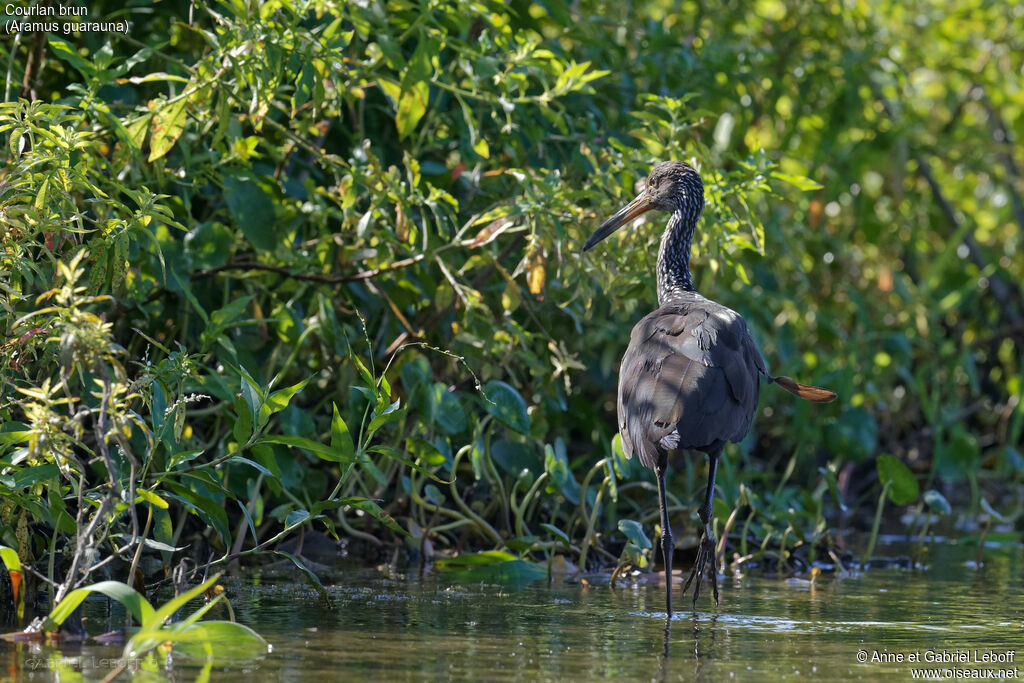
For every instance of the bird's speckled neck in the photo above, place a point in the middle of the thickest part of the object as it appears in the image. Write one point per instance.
(674, 254)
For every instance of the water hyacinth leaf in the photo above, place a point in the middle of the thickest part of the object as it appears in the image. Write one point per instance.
(901, 486)
(937, 502)
(446, 410)
(635, 533)
(123, 593)
(507, 405)
(433, 494)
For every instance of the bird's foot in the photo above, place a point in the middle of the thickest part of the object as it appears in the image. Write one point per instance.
(705, 557)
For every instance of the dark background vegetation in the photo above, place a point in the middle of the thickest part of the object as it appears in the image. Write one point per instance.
(289, 267)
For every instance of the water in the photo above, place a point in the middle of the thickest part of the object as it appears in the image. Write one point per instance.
(408, 628)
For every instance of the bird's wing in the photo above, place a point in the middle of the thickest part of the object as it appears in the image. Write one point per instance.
(689, 379)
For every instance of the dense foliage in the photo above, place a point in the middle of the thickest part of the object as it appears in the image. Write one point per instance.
(315, 265)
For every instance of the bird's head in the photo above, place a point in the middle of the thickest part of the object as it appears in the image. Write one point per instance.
(672, 186)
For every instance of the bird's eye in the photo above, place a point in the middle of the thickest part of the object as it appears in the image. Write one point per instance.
(654, 183)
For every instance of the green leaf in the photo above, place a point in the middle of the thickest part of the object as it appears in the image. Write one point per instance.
(493, 565)
(253, 211)
(341, 440)
(68, 53)
(562, 481)
(123, 593)
(316, 448)
(205, 508)
(902, 487)
(10, 559)
(557, 533)
(310, 577)
(218, 643)
(635, 533)
(445, 409)
(254, 465)
(393, 412)
(508, 406)
(375, 511)
(481, 559)
(278, 401)
(11, 438)
(797, 181)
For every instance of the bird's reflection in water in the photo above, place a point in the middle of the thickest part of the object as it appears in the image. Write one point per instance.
(702, 652)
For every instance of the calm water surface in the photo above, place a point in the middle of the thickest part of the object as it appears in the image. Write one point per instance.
(408, 628)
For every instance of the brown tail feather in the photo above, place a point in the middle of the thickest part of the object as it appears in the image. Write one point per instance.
(808, 393)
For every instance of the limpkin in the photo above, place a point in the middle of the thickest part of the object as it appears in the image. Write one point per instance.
(690, 376)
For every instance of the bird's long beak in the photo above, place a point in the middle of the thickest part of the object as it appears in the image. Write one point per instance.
(640, 205)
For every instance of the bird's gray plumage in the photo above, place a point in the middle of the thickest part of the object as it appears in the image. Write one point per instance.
(689, 379)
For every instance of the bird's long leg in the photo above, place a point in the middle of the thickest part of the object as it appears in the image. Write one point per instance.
(666, 532)
(706, 551)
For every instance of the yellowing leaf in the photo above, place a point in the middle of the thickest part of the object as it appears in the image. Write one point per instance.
(412, 105)
(168, 124)
(481, 148)
(535, 274)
